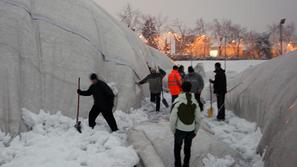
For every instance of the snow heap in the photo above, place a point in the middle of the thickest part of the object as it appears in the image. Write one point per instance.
(54, 141)
(267, 95)
(45, 45)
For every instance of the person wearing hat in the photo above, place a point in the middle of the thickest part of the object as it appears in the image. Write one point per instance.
(197, 84)
(155, 81)
(103, 102)
(184, 123)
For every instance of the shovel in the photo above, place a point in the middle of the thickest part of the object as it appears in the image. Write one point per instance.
(210, 110)
(78, 123)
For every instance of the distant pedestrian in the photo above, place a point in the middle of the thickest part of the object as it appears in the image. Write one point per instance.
(181, 70)
(197, 84)
(103, 102)
(155, 80)
(184, 123)
(220, 89)
(174, 83)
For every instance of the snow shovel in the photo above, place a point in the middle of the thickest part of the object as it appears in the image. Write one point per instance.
(210, 110)
(78, 123)
(164, 101)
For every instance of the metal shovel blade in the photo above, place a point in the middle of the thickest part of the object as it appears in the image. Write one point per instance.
(78, 126)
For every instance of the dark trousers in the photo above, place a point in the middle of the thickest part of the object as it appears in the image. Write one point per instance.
(173, 97)
(197, 97)
(107, 114)
(156, 98)
(181, 137)
(221, 106)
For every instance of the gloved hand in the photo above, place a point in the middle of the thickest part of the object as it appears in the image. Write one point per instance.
(78, 91)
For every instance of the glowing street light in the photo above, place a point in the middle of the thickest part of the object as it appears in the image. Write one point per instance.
(282, 22)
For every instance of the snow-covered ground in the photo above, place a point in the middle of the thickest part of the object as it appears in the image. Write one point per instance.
(239, 134)
(53, 141)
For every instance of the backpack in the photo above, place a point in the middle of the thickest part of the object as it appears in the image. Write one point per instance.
(186, 112)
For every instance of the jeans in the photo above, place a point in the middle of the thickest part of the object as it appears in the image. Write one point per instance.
(221, 106)
(107, 114)
(181, 137)
(156, 98)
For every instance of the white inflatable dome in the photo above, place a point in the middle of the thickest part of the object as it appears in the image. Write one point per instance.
(267, 95)
(45, 45)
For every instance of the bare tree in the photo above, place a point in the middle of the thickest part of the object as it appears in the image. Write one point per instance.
(200, 27)
(237, 34)
(274, 34)
(131, 17)
(180, 28)
(160, 23)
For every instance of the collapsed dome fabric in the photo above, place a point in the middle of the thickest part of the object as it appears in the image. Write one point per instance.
(45, 45)
(267, 94)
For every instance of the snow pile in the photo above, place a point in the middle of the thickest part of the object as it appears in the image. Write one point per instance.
(45, 45)
(54, 141)
(266, 94)
(211, 161)
(239, 134)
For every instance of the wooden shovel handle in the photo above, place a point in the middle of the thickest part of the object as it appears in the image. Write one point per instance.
(77, 109)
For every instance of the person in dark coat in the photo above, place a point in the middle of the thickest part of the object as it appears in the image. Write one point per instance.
(197, 84)
(181, 70)
(155, 80)
(220, 89)
(103, 102)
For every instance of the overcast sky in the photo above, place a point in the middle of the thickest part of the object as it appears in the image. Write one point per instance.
(253, 14)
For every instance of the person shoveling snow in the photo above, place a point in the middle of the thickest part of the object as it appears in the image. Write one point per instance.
(103, 102)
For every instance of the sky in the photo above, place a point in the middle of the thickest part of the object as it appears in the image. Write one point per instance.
(252, 14)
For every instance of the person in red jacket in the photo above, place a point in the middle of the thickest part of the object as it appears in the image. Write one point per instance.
(174, 83)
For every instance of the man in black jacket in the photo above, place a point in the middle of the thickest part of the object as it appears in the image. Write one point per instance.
(220, 89)
(103, 102)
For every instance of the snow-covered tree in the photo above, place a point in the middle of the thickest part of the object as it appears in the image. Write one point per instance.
(263, 46)
(149, 31)
(130, 17)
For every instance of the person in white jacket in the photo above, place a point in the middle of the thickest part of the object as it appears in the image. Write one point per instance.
(184, 123)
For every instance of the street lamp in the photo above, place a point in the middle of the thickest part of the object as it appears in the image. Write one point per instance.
(282, 22)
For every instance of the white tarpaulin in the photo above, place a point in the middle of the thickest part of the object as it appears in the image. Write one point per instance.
(45, 45)
(267, 94)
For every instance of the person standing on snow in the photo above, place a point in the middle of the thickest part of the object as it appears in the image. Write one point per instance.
(184, 123)
(174, 83)
(103, 102)
(155, 80)
(197, 84)
(181, 70)
(220, 89)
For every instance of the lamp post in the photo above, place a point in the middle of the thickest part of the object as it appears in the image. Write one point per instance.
(282, 22)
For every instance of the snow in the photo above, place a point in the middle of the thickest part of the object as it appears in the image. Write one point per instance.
(52, 136)
(46, 45)
(53, 141)
(266, 94)
(211, 161)
(239, 134)
(235, 132)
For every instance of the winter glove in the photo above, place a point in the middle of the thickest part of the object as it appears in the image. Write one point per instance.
(78, 91)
